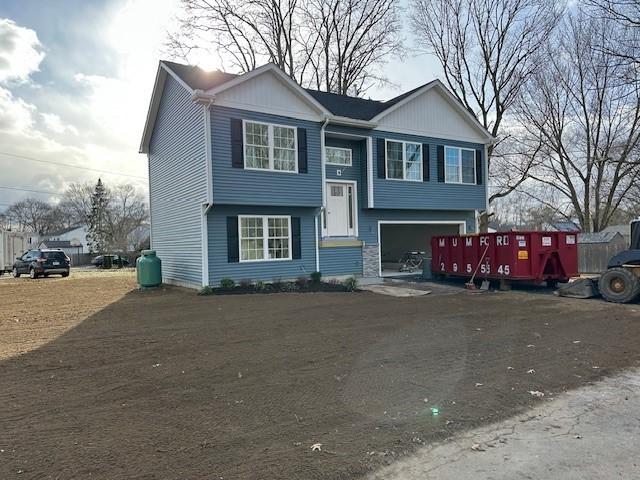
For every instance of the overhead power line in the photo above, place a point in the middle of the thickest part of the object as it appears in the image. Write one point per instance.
(6, 154)
(32, 191)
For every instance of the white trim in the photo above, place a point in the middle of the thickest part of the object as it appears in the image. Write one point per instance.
(486, 179)
(460, 149)
(341, 149)
(271, 110)
(354, 206)
(205, 243)
(209, 154)
(462, 225)
(404, 161)
(271, 146)
(323, 164)
(449, 96)
(352, 122)
(370, 198)
(430, 134)
(317, 234)
(270, 67)
(265, 238)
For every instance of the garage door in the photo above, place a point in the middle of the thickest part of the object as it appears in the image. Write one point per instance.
(398, 238)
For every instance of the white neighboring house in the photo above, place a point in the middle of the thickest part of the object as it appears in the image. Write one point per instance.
(75, 236)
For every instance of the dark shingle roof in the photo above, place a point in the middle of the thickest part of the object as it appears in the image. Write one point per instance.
(197, 78)
(340, 105)
(346, 106)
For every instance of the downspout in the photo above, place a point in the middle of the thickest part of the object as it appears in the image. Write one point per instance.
(206, 206)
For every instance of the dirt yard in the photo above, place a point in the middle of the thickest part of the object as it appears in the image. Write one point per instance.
(98, 380)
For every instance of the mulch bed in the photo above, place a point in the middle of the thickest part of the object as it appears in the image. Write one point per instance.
(164, 384)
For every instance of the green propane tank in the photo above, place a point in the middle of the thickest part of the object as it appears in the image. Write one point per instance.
(149, 269)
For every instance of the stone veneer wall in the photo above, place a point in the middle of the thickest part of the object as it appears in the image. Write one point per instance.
(370, 265)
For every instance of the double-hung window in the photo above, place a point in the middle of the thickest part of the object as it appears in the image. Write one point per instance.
(404, 160)
(460, 165)
(264, 238)
(270, 147)
(338, 156)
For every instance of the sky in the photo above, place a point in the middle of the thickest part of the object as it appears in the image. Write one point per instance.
(75, 83)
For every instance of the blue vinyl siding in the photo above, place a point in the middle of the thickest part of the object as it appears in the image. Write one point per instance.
(368, 220)
(178, 184)
(237, 186)
(341, 261)
(220, 268)
(432, 195)
(357, 172)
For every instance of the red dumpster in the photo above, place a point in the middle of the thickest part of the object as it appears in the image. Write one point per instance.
(524, 256)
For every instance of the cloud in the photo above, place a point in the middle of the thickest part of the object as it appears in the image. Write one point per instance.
(54, 124)
(20, 52)
(16, 115)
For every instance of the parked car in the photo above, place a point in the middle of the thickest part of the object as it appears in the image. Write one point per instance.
(42, 262)
(99, 260)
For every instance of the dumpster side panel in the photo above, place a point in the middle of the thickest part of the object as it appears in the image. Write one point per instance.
(525, 256)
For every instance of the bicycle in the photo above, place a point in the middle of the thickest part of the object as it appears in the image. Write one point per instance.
(411, 261)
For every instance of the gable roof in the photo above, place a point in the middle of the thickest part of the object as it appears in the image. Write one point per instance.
(201, 83)
(599, 237)
(57, 243)
(62, 231)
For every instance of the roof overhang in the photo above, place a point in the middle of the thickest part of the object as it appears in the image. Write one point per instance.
(451, 99)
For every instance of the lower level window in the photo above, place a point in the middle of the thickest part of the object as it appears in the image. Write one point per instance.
(265, 238)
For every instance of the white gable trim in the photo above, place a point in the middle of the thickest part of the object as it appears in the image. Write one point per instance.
(452, 100)
(285, 79)
(154, 105)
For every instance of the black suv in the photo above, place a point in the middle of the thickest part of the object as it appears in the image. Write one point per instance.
(42, 262)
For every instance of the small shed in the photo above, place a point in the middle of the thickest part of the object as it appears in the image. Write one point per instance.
(595, 250)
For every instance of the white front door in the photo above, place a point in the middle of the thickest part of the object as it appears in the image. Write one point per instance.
(339, 216)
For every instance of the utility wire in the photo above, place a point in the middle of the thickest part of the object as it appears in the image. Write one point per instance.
(71, 166)
(29, 190)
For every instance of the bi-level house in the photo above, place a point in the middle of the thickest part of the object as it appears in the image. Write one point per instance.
(254, 177)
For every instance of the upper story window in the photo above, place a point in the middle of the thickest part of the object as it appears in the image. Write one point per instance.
(338, 156)
(404, 160)
(459, 165)
(270, 147)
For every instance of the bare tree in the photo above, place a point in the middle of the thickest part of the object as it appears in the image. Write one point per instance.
(345, 41)
(488, 49)
(126, 211)
(585, 123)
(332, 45)
(32, 215)
(76, 203)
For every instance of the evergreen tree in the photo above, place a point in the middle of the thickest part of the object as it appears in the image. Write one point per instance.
(98, 234)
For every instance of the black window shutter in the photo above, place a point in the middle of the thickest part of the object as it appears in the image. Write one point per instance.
(296, 247)
(233, 245)
(440, 150)
(302, 150)
(425, 162)
(382, 168)
(237, 147)
(479, 167)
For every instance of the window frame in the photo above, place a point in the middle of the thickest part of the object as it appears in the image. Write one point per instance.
(460, 177)
(404, 161)
(265, 238)
(270, 146)
(343, 149)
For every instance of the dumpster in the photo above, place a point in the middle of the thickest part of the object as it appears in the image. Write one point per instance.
(520, 256)
(149, 269)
